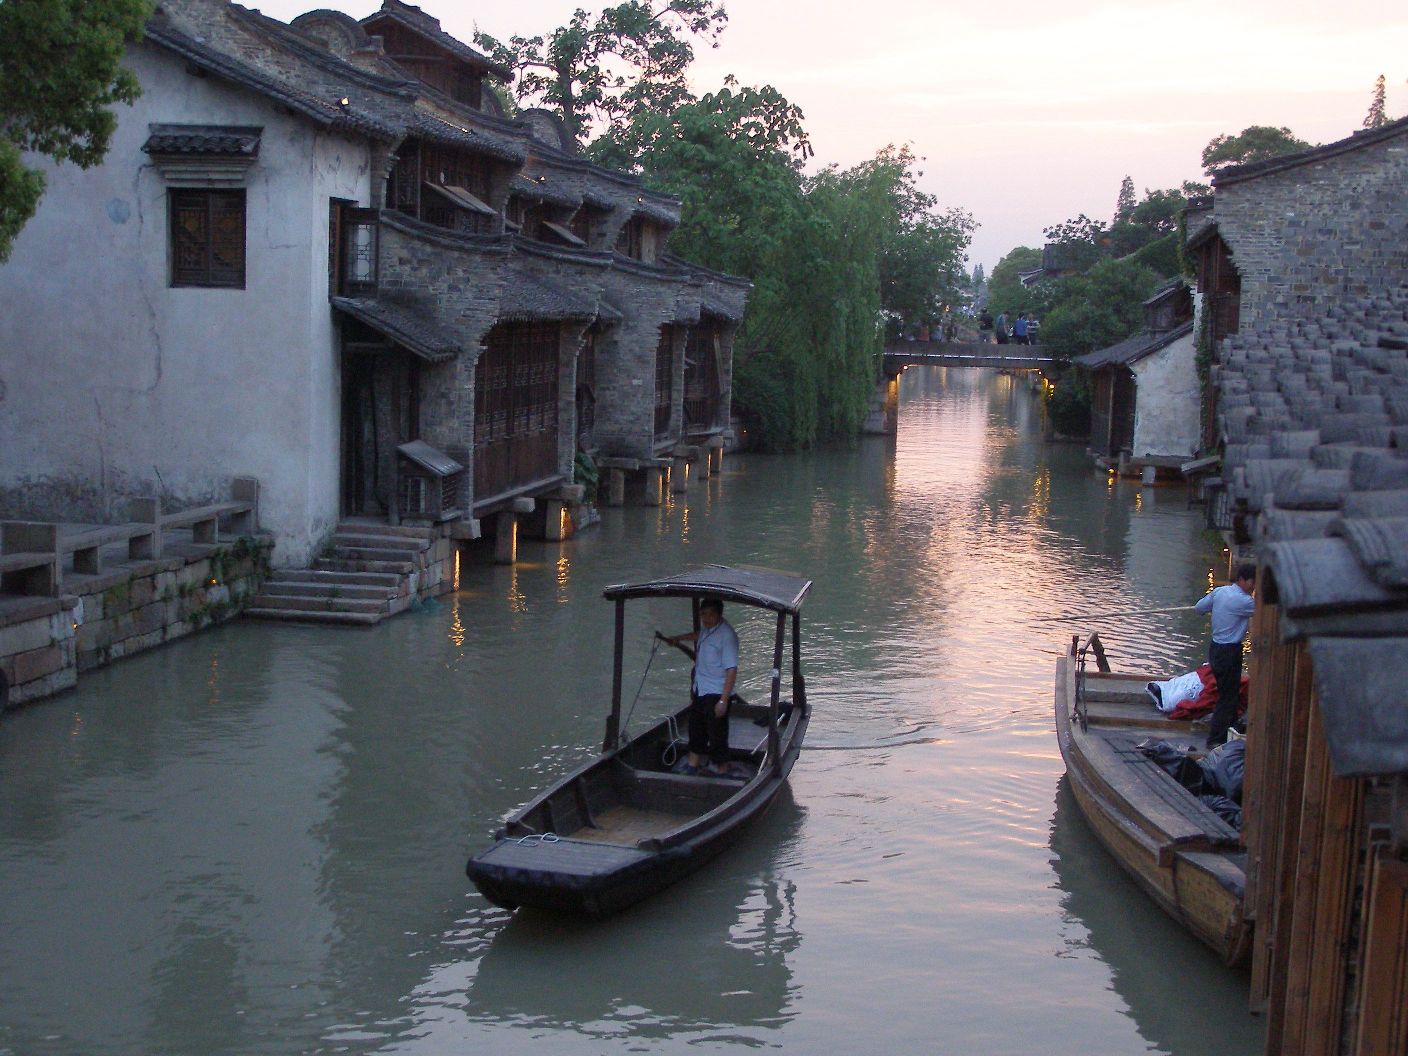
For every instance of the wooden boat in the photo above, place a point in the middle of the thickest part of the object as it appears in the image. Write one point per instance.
(1184, 855)
(624, 826)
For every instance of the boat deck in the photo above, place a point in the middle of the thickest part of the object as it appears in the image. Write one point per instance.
(626, 824)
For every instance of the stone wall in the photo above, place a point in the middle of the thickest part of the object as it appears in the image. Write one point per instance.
(1319, 227)
(45, 643)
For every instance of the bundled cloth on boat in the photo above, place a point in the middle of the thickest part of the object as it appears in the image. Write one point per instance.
(1192, 695)
(1216, 778)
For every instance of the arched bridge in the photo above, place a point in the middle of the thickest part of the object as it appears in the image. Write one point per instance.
(901, 354)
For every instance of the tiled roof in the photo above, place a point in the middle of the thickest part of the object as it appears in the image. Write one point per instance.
(428, 26)
(1133, 349)
(403, 323)
(528, 297)
(207, 140)
(1315, 417)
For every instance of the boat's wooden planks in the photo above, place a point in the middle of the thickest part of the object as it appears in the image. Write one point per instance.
(1173, 814)
(564, 857)
(629, 824)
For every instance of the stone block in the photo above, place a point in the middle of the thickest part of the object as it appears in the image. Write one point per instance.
(24, 637)
(140, 591)
(36, 663)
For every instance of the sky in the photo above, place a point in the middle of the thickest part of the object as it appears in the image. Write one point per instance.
(1028, 112)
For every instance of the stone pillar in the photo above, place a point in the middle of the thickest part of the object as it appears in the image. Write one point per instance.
(651, 480)
(679, 475)
(615, 487)
(702, 464)
(553, 512)
(505, 537)
(715, 454)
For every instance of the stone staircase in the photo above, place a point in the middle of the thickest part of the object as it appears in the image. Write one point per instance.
(366, 576)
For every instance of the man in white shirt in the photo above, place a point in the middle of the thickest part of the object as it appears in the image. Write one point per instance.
(715, 672)
(1231, 607)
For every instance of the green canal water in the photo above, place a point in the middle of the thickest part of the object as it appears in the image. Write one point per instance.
(254, 841)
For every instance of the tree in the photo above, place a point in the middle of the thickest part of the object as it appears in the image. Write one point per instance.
(1080, 241)
(1124, 204)
(1376, 117)
(1005, 290)
(1097, 309)
(60, 64)
(631, 59)
(1257, 143)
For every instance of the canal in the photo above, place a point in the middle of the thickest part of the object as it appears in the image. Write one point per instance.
(253, 841)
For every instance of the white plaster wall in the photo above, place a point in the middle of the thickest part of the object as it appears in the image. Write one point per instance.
(1167, 402)
(113, 383)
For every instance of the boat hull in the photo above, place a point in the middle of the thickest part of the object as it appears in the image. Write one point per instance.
(1194, 874)
(590, 877)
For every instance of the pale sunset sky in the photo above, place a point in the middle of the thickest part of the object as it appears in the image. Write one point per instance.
(1028, 112)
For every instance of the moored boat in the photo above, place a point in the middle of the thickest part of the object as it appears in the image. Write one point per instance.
(1186, 857)
(625, 825)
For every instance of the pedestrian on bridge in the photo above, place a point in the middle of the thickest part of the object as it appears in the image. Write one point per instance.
(1019, 329)
(985, 326)
(1000, 328)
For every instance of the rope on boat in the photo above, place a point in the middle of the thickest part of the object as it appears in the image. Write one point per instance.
(533, 839)
(654, 648)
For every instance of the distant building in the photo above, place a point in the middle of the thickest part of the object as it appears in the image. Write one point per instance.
(314, 244)
(1144, 410)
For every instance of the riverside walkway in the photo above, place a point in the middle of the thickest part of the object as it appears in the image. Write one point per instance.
(901, 354)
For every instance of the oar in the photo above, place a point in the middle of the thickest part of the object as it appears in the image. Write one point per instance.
(678, 645)
(1112, 615)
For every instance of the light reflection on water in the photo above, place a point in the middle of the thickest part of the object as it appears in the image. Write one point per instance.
(253, 842)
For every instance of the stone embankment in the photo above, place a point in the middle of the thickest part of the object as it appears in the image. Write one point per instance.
(131, 606)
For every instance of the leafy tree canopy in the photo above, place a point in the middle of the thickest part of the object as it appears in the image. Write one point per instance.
(60, 68)
(1097, 309)
(1005, 290)
(1257, 143)
(602, 71)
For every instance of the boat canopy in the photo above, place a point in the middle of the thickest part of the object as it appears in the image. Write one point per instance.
(764, 587)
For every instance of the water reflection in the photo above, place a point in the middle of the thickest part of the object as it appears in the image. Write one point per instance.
(728, 956)
(1181, 997)
(253, 841)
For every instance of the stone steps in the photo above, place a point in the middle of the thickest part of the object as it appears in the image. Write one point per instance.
(363, 578)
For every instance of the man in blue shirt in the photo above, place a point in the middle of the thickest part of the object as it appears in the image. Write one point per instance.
(715, 672)
(1231, 607)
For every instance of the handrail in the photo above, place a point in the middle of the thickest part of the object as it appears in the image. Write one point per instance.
(1079, 651)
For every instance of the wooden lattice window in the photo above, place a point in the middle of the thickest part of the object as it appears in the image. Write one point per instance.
(207, 238)
(664, 378)
(702, 370)
(516, 407)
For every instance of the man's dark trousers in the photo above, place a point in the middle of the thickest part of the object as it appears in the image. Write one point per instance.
(1226, 661)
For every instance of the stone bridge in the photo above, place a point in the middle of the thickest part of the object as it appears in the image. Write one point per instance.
(884, 404)
(901, 354)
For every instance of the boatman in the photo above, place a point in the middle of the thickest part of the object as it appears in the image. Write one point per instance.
(711, 690)
(1231, 607)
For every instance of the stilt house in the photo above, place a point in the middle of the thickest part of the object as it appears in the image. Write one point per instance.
(318, 254)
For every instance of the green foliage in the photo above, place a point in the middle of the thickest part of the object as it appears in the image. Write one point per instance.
(1257, 143)
(1377, 117)
(1005, 290)
(1068, 404)
(1097, 309)
(601, 72)
(1125, 202)
(828, 255)
(60, 68)
(1163, 256)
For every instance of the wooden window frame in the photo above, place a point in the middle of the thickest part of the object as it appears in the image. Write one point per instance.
(207, 272)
